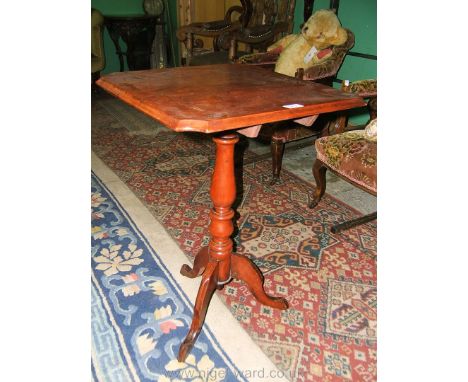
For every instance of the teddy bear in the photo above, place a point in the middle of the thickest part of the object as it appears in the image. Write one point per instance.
(312, 45)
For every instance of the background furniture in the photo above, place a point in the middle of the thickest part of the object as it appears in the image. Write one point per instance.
(212, 112)
(352, 155)
(137, 31)
(260, 23)
(98, 59)
(159, 48)
(281, 133)
(360, 16)
(365, 89)
(270, 20)
(235, 17)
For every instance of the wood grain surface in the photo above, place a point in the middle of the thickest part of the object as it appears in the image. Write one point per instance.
(216, 98)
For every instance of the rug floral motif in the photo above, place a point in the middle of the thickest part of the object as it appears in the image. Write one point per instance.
(329, 280)
(139, 316)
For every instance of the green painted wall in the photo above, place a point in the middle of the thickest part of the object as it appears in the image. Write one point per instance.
(360, 16)
(298, 15)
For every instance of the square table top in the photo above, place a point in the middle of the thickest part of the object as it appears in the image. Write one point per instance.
(215, 98)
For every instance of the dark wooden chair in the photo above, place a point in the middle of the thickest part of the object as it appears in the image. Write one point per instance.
(235, 18)
(281, 133)
(261, 22)
(270, 20)
(351, 155)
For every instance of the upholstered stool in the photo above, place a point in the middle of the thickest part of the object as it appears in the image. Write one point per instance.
(352, 156)
(365, 89)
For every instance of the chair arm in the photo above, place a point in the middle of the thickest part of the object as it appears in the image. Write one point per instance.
(330, 66)
(326, 69)
(212, 28)
(259, 34)
(207, 29)
(231, 10)
(364, 88)
(261, 58)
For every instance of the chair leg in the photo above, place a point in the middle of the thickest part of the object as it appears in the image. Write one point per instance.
(189, 42)
(372, 107)
(216, 44)
(232, 53)
(277, 150)
(319, 171)
(353, 223)
(325, 132)
(339, 124)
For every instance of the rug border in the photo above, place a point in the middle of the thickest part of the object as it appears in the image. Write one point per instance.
(226, 332)
(160, 262)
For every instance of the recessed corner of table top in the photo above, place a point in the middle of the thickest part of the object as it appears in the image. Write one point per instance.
(215, 98)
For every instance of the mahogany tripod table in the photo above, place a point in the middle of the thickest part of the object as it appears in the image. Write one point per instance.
(218, 100)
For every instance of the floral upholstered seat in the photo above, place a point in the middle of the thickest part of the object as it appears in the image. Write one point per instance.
(352, 154)
(365, 88)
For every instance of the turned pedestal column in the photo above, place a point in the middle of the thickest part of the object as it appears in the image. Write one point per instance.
(216, 263)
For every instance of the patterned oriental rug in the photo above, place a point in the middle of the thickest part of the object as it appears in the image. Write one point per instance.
(140, 313)
(329, 280)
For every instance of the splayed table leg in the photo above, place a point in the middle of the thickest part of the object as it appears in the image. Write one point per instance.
(216, 263)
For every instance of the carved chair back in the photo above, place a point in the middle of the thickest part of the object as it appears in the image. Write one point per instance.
(269, 12)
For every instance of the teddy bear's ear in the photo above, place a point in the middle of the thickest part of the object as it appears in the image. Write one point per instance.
(340, 37)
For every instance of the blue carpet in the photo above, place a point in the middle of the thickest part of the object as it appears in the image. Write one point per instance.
(139, 313)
